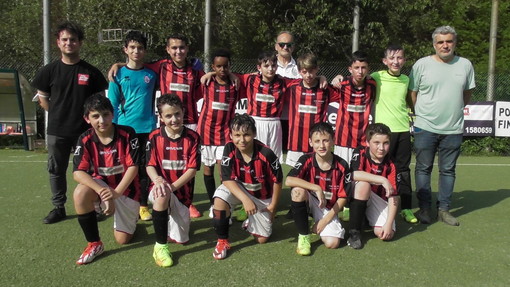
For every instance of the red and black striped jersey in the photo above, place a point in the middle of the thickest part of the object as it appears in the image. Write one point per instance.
(307, 106)
(173, 157)
(217, 110)
(109, 162)
(361, 160)
(184, 82)
(259, 175)
(265, 100)
(335, 182)
(353, 113)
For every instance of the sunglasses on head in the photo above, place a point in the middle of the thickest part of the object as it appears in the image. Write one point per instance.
(282, 45)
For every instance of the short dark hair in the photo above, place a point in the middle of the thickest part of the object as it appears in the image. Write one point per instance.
(377, 128)
(359, 56)
(393, 48)
(135, 36)
(97, 102)
(267, 56)
(321, 127)
(178, 37)
(243, 122)
(71, 27)
(220, 53)
(169, 99)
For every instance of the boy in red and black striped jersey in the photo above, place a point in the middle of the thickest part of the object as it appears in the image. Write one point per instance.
(356, 96)
(252, 176)
(173, 158)
(308, 105)
(320, 180)
(376, 188)
(220, 97)
(106, 163)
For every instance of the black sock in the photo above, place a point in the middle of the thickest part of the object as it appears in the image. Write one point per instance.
(300, 217)
(210, 186)
(88, 223)
(160, 223)
(357, 213)
(220, 223)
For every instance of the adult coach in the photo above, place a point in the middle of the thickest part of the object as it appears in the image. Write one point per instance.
(440, 87)
(62, 87)
(284, 47)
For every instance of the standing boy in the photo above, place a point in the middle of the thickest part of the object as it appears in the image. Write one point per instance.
(308, 105)
(252, 176)
(356, 96)
(220, 97)
(132, 94)
(106, 163)
(321, 181)
(62, 88)
(376, 188)
(173, 158)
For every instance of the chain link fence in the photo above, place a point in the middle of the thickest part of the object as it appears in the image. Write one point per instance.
(328, 69)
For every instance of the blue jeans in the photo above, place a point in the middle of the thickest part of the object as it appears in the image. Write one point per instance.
(426, 145)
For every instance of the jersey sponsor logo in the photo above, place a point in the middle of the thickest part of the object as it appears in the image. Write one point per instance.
(179, 87)
(225, 161)
(173, 164)
(259, 97)
(77, 150)
(276, 164)
(109, 151)
(328, 195)
(134, 143)
(356, 108)
(305, 109)
(83, 79)
(174, 148)
(357, 95)
(252, 186)
(220, 106)
(146, 79)
(108, 171)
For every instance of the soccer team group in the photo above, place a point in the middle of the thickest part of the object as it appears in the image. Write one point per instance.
(124, 160)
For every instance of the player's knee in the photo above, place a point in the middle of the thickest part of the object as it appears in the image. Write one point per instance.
(362, 190)
(261, 239)
(83, 194)
(298, 194)
(332, 243)
(122, 238)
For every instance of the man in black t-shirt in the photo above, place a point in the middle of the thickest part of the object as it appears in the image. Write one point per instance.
(62, 87)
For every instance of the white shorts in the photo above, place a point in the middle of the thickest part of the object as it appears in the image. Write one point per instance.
(377, 211)
(126, 212)
(269, 131)
(211, 153)
(293, 157)
(260, 223)
(178, 219)
(334, 228)
(344, 152)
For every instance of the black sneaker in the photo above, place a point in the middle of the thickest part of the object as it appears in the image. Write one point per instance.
(56, 215)
(446, 217)
(354, 240)
(423, 215)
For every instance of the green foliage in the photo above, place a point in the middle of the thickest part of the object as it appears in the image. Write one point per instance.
(484, 146)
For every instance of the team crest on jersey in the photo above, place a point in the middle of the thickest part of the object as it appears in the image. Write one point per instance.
(276, 164)
(347, 177)
(134, 143)
(77, 150)
(225, 161)
(146, 79)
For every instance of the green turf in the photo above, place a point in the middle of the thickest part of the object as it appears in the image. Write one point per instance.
(475, 254)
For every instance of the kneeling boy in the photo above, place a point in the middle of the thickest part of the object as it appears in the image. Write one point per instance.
(173, 158)
(251, 176)
(376, 188)
(320, 180)
(105, 167)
